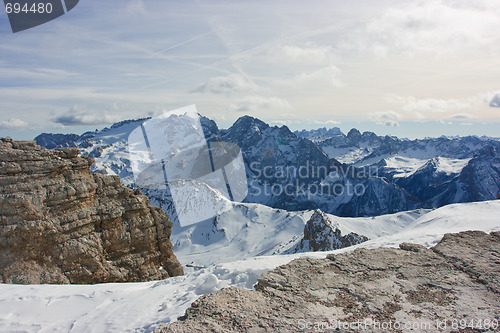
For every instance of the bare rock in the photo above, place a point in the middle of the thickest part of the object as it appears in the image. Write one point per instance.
(61, 224)
(449, 288)
(321, 234)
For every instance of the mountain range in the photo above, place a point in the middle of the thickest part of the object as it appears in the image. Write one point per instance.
(358, 174)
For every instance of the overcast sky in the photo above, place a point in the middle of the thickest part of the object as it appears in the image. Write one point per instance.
(406, 68)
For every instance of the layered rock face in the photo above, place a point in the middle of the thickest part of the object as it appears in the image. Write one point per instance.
(452, 287)
(61, 224)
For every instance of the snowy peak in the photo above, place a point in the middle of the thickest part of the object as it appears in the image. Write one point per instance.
(52, 141)
(444, 165)
(246, 230)
(116, 132)
(248, 123)
(319, 134)
(210, 128)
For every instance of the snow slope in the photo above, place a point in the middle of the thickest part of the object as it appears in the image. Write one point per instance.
(400, 166)
(249, 230)
(141, 307)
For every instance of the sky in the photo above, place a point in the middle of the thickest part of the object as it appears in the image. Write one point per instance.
(406, 68)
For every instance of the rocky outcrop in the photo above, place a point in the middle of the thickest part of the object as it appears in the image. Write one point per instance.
(453, 287)
(321, 234)
(61, 224)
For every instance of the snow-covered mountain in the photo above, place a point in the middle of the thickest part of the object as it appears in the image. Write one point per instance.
(289, 172)
(319, 134)
(51, 141)
(368, 148)
(436, 171)
(358, 174)
(251, 230)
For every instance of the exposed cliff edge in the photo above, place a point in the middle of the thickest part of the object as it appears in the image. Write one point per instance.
(61, 224)
(452, 287)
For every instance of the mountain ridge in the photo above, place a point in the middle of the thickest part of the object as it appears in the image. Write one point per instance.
(385, 167)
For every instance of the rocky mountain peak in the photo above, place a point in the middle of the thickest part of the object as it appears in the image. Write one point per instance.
(61, 224)
(320, 133)
(354, 135)
(321, 234)
(51, 141)
(248, 122)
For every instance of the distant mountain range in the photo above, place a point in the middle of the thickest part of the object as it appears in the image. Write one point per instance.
(358, 174)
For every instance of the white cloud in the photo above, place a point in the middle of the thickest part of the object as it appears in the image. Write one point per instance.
(328, 122)
(495, 101)
(36, 73)
(136, 7)
(387, 118)
(310, 55)
(412, 104)
(258, 103)
(78, 115)
(280, 122)
(228, 84)
(461, 116)
(13, 124)
(429, 108)
(329, 75)
(431, 27)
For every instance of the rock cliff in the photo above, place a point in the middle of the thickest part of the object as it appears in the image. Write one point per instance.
(61, 224)
(452, 287)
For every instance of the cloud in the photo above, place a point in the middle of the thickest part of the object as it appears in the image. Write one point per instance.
(387, 118)
(257, 103)
(77, 116)
(423, 108)
(431, 27)
(328, 122)
(228, 84)
(412, 104)
(13, 124)
(461, 116)
(495, 101)
(36, 73)
(280, 122)
(136, 7)
(311, 55)
(329, 75)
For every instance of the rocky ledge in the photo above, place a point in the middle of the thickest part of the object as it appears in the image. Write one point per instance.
(61, 224)
(452, 287)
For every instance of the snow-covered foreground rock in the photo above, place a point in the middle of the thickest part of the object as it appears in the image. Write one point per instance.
(451, 287)
(144, 306)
